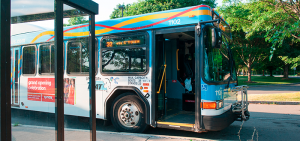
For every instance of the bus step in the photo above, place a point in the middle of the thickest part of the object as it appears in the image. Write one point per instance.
(177, 126)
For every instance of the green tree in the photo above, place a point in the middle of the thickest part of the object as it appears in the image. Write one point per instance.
(289, 55)
(276, 20)
(279, 19)
(149, 6)
(250, 48)
(76, 20)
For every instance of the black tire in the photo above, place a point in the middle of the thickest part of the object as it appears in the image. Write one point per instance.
(128, 120)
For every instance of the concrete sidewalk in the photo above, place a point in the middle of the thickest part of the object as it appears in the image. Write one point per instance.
(39, 133)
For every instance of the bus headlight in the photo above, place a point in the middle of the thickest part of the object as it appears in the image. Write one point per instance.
(220, 104)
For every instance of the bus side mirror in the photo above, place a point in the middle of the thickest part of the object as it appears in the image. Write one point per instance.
(216, 38)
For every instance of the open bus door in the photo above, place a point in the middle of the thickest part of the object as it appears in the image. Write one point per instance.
(15, 76)
(178, 78)
(175, 63)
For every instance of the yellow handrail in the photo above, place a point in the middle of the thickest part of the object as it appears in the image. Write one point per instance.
(162, 78)
(177, 59)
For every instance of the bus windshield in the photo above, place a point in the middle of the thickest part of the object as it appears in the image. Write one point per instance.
(217, 61)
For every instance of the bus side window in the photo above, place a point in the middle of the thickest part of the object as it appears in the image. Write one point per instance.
(73, 57)
(78, 56)
(29, 61)
(46, 59)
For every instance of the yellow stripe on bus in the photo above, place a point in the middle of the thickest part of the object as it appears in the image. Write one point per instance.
(42, 34)
(131, 21)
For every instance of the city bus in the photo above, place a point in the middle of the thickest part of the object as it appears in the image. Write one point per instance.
(169, 69)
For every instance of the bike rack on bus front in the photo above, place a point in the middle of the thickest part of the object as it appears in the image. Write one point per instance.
(241, 107)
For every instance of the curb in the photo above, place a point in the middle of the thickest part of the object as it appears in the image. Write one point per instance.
(275, 102)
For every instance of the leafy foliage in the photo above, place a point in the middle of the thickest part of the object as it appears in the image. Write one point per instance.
(149, 6)
(248, 48)
(76, 20)
(275, 21)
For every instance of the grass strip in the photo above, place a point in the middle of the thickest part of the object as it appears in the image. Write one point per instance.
(293, 97)
(266, 80)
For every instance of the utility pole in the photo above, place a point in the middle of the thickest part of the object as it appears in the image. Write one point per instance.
(122, 7)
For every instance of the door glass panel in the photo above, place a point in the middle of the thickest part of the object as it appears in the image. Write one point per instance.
(16, 60)
(12, 79)
(160, 97)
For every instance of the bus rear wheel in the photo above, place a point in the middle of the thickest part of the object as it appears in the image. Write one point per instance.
(128, 113)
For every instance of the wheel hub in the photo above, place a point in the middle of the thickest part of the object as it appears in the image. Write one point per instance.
(129, 114)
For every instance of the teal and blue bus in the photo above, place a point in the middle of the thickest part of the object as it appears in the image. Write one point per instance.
(169, 69)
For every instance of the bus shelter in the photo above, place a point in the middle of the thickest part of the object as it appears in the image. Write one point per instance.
(16, 11)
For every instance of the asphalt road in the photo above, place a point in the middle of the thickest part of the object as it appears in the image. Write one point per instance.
(274, 89)
(272, 122)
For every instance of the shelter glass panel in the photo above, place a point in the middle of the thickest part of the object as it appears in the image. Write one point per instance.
(33, 89)
(76, 82)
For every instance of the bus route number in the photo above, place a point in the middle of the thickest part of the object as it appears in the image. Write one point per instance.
(109, 44)
(174, 22)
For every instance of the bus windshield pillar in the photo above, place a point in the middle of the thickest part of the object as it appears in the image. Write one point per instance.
(198, 64)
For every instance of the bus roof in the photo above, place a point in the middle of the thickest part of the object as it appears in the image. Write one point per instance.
(163, 19)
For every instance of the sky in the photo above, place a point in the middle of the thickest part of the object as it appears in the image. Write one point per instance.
(105, 9)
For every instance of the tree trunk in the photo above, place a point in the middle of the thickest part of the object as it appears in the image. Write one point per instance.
(286, 71)
(243, 71)
(263, 72)
(249, 72)
(271, 72)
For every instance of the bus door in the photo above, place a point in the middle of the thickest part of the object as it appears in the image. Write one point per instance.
(160, 78)
(175, 64)
(15, 76)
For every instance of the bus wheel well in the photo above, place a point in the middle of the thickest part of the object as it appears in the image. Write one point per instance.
(118, 92)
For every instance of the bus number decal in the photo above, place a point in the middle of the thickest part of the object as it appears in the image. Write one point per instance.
(174, 22)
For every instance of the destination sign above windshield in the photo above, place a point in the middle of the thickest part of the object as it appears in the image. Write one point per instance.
(124, 41)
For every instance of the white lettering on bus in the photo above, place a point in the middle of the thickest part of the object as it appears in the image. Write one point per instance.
(174, 22)
(48, 97)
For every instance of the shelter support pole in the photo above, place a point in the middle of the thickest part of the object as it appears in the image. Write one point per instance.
(92, 65)
(59, 71)
(5, 71)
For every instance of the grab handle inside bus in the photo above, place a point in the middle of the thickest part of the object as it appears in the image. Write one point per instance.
(162, 78)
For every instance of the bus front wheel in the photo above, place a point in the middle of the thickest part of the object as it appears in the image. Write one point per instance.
(128, 114)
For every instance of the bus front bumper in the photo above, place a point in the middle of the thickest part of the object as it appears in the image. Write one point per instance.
(219, 122)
